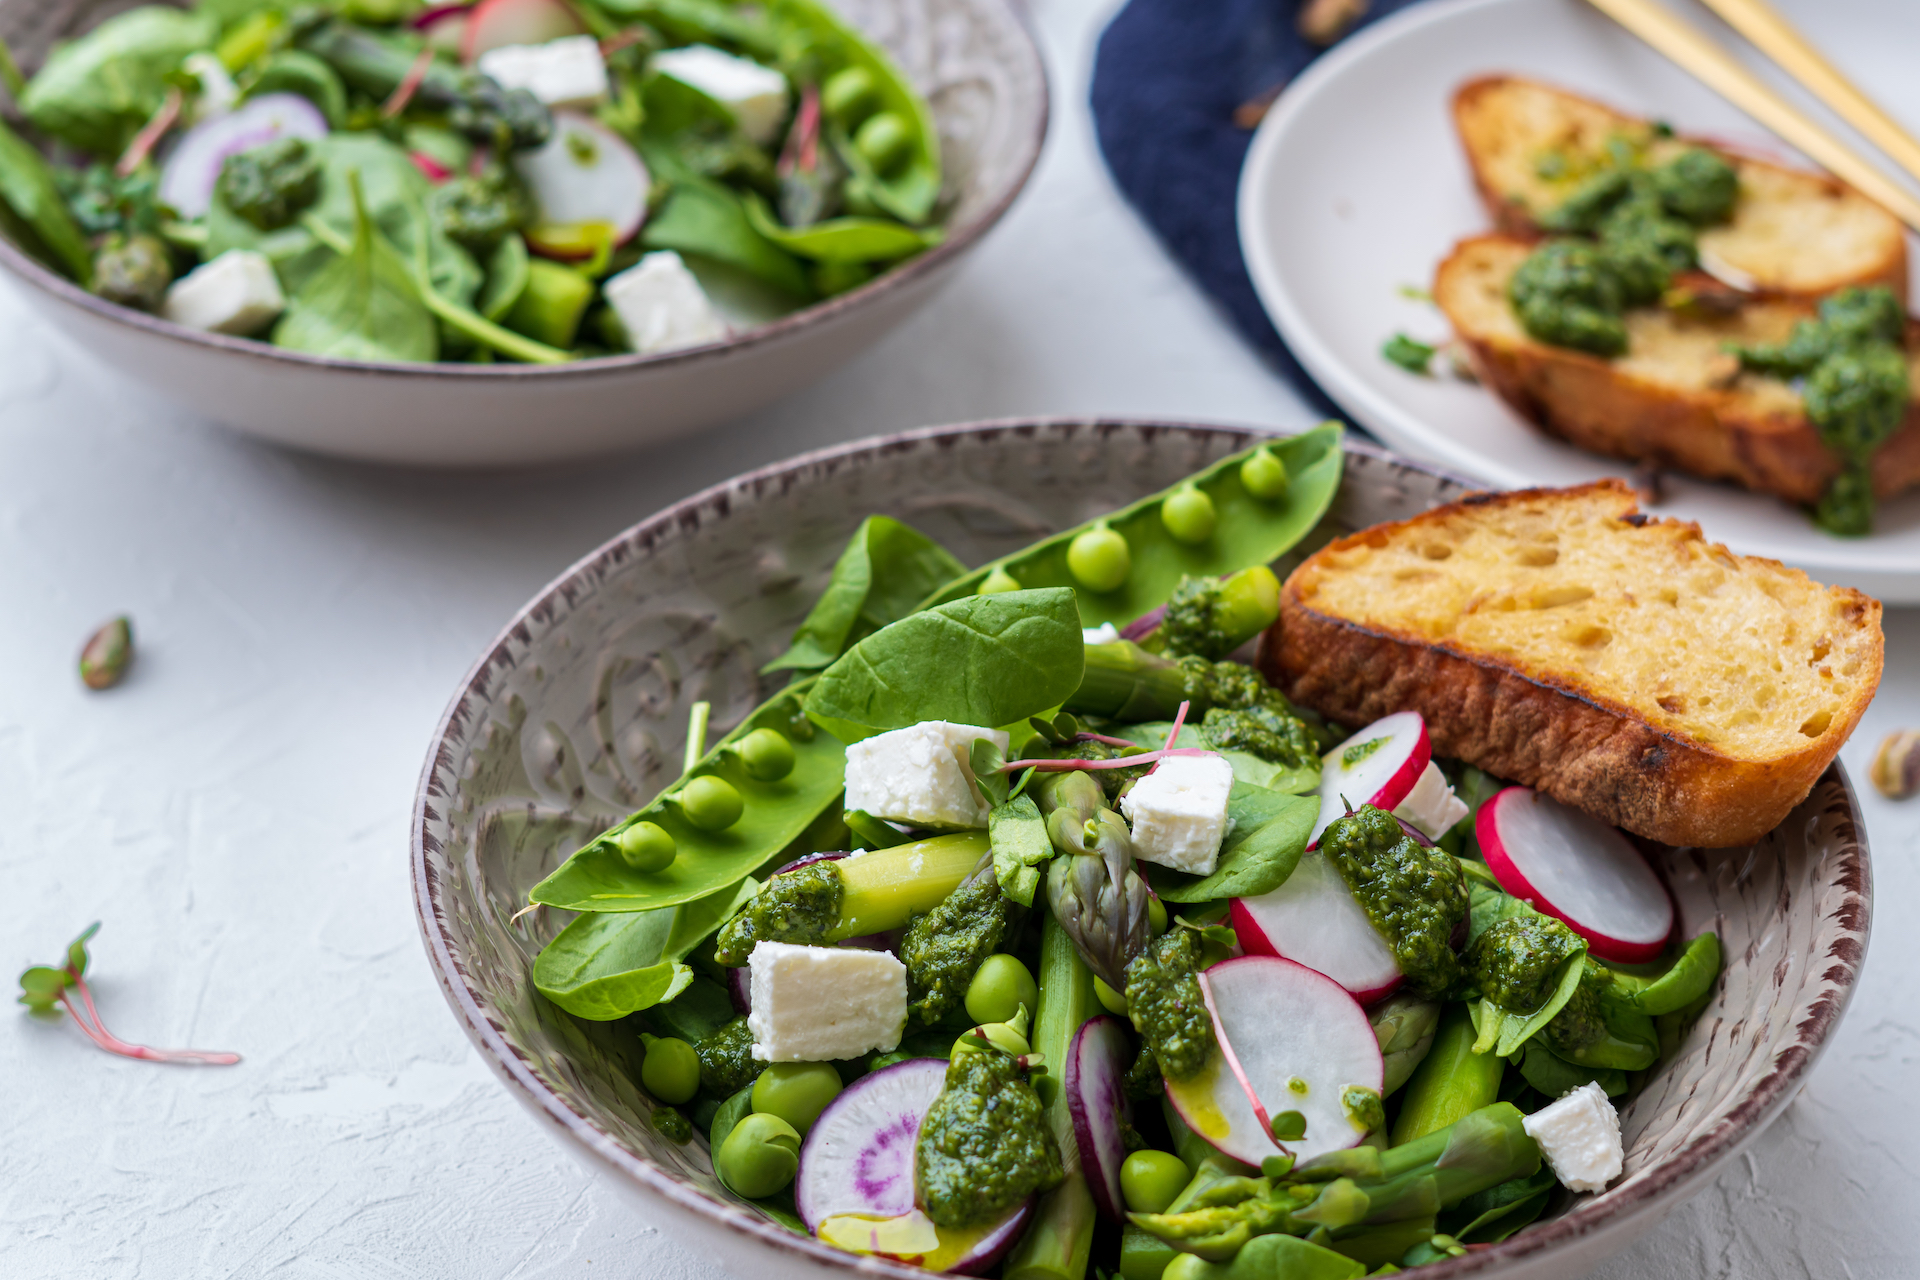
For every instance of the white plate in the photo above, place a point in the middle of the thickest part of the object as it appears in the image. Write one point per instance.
(1355, 188)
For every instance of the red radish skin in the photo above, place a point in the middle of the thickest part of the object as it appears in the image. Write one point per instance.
(1312, 919)
(494, 24)
(444, 27)
(1578, 870)
(1382, 778)
(1097, 1101)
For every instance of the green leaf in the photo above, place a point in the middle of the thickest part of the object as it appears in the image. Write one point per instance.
(1247, 767)
(1269, 834)
(1692, 976)
(985, 758)
(98, 91)
(731, 1113)
(1490, 1216)
(361, 306)
(702, 217)
(1553, 1075)
(844, 240)
(881, 577)
(985, 660)
(77, 950)
(1018, 835)
(1488, 903)
(608, 965)
(507, 273)
(1504, 1032)
(696, 1013)
(41, 223)
(1279, 1257)
(1247, 531)
(40, 988)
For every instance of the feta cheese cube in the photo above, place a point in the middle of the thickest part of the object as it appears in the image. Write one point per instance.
(920, 775)
(756, 95)
(1102, 634)
(568, 72)
(1431, 805)
(662, 306)
(1580, 1137)
(818, 1004)
(1179, 812)
(235, 293)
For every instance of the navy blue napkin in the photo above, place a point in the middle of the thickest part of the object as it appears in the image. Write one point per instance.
(1167, 77)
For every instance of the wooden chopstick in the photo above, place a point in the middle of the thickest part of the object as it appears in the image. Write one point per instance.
(1694, 52)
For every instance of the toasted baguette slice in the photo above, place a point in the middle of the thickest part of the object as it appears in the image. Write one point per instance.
(1675, 399)
(1792, 232)
(1618, 662)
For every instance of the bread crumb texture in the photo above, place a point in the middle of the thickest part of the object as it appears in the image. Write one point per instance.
(1743, 656)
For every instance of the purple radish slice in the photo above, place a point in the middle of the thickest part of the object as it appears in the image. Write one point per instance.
(495, 24)
(1387, 759)
(1144, 625)
(1579, 870)
(740, 988)
(1097, 1100)
(1313, 919)
(193, 166)
(1297, 1041)
(811, 858)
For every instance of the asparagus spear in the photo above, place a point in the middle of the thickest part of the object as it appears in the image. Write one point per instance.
(1450, 1082)
(1094, 893)
(1124, 682)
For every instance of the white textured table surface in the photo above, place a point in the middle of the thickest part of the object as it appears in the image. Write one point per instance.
(236, 813)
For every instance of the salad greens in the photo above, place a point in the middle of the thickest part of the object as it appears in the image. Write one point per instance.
(542, 149)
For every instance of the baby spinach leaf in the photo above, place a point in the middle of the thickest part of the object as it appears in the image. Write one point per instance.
(886, 570)
(1490, 1216)
(696, 1013)
(297, 71)
(1487, 903)
(98, 91)
(38, 220)
(1262, 848)
(605, 966)
(702, 217)
(985, 660)
(704, 21)
(1553, 1075)
(731, 1113)
(507, 273)
(1018, 835)
(843, 240)
(1247, 767)
(1504, 1031)
(361, 306)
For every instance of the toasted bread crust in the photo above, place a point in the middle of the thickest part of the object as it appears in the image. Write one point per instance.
(1585, 750)
(1854, 242)
(1736, 431)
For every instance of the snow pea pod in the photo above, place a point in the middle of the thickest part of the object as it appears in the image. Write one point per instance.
(1247, 531)
(841, 239)
(598, 877)
(1691, 977)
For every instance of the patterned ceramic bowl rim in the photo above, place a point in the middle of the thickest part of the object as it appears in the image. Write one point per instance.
(1651, 1195)
(962, 238)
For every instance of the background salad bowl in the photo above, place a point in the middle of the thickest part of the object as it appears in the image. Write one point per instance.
(576, 715)
(975, 63)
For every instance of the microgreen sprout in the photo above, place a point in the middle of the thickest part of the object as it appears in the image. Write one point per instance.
(43, 987)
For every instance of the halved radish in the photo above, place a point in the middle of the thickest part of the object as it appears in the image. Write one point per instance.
(585, 175)
(1378, 766)
(1097, 1100)
(1577, 869)
(855, 1185)
(1297, 1042)
(193, 166)
(1314, 920)
(494, 24)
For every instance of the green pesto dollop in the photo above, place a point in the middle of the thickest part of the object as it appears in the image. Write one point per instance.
(984, 1145)
(944, 948)
(1143, 1079)
(1412, 894)
(1232, 685)
(1567, 295)
(672, 1125)
(272, 183)
(1274, 737)
(1191, 624)
(1164, 1001)
(476, 213)
(1359, 751)
(1857, 388)
(1364, 1108)
(1581, 1022)
(1516, 963)
(800, 906)
(726, 1060)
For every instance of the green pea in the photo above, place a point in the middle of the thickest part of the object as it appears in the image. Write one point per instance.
(711, 803)
(884, 139)
(797, 1092)
(1188, 515)
(646, 846)
(1289, 1126)
(1000, 986)
(766, 755)
(1099, 559)
(996, 582)
(1152, 1180)
(849, 96)
(759, 1157)
(1156, 915)
(671, 1070)
(1110, 1000)
(1264, 475)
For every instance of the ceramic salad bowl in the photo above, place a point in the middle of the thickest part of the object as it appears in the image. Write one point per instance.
(975, 63)
(575, 717)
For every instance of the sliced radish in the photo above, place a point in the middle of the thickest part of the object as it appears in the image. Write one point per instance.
(585, 177)
(740, 989)
(494, 24)
(1097, 1100)
(1291, 1040)
(1380, 765)
(444, 27)
(193, 166)
(1579, 870)
(855, 1185)
(1314, 920)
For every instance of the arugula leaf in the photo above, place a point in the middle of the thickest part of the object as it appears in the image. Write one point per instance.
(607, 965)
(362, 305)
(1264, 845)
(985, 660)
(98, 91)
(39, 220)
(1018, 835)
(886, 570)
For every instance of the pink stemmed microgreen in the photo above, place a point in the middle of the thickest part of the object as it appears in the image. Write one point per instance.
(42, 987)
(1050, 765)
